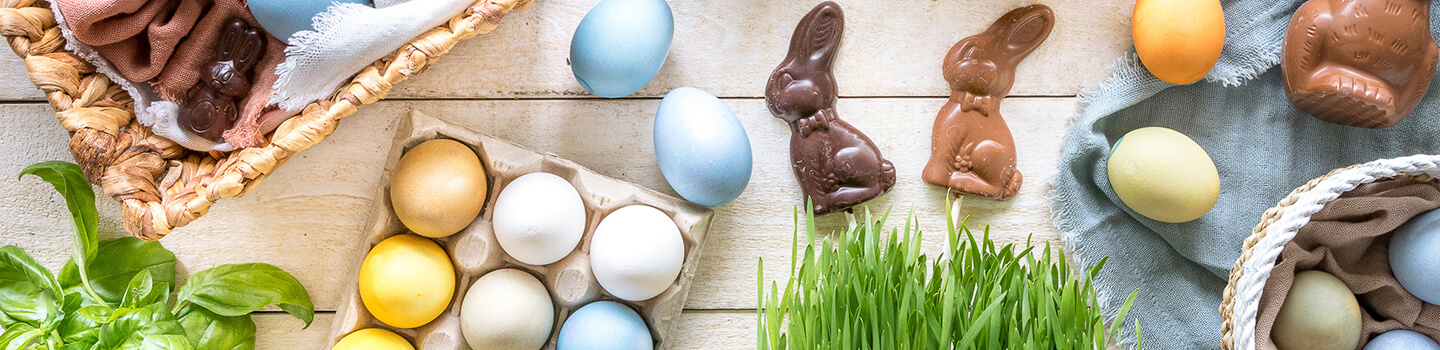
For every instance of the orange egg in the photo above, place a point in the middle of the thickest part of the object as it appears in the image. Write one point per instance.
(1179, 40)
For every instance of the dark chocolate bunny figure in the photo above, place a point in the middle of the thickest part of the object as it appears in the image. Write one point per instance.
(971, 150)
(1361, 63)
(211, 106)
(837, 165)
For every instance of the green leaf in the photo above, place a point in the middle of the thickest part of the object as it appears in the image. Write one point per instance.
(79, 198)
(18, 336)
(28, 292)
(143, 290)
(239, 289)
(207, 330)
(82, 322)
(117, 263)
(149, 327)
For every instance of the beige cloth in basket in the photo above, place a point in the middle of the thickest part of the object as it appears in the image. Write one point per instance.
(167, 43)
(1350, 239)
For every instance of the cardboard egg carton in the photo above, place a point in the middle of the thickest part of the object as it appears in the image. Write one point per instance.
(475, 252)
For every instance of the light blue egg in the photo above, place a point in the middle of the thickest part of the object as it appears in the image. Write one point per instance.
(620, 45)
(1401, 339)
(604, 325)
(282, 18)
(702, 149)
(1415, 256)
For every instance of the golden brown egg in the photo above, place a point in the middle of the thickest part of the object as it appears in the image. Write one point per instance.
(438, 188)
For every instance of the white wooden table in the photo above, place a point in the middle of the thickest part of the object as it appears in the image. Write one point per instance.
(515, 83)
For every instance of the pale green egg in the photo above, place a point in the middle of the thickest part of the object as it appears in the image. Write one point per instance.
(1320, 313)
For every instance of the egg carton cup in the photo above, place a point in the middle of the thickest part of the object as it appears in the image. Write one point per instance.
(1241, 301)
(474, 251)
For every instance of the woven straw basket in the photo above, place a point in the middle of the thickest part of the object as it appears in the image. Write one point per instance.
(1278, 226)
(161, 185)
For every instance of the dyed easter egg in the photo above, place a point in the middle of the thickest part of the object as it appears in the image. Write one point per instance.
(604, 325)
(373, 339)
(620, 45)
(1163, 175)
(438, 188)
(539, 218)
(1319, 313)
(1401, 339)
(282, 18)
(1178, 40)
(406, 281)
(636, 252)
(701, 147)
(1415, 256)
(507, 309)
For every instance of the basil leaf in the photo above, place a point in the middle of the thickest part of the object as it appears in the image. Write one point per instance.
(81, 323)
(207, 330)
(239, 289)
(18, 336)
(143, 290)
(138, 328)
(27, 290)
(166, 342)
(117, 263)
(79, 198)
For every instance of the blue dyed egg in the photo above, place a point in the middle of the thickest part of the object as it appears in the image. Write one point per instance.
(702, 149)
(1415, 256)
(604, 325)
(1401, 339)
(282, 18)
(620, 45)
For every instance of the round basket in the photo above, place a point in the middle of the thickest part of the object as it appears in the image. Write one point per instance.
(1278, 226)
(160, 185)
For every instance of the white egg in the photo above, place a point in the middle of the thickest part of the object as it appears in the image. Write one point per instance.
(539, 218)
(636, 252)
(507, 309)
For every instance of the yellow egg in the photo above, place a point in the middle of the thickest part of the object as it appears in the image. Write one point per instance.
(406, 281)
(1179, 40)
(373, 339)
(1163, 175)
(1319, 313)
(438, 188)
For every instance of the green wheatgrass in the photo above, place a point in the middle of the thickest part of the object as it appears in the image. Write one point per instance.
(861, 291)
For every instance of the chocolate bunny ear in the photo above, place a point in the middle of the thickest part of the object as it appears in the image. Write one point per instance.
(241, 44)
(1023, 29)
(818, 35)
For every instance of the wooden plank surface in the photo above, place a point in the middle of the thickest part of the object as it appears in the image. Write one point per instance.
(515, 84)
(891, 48)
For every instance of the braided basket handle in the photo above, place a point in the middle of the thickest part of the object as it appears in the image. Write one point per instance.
(161, 185)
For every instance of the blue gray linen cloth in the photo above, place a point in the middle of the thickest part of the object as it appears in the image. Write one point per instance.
(1262, 145)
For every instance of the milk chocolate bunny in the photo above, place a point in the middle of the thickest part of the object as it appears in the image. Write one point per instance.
(1361, 63)
(837, 165)
(971, 150)
(211, 106)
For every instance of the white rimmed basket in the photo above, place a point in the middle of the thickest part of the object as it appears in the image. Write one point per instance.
(1278, 226)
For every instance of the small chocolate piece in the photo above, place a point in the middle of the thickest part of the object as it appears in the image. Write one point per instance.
(971, 150)
(837, 165)
(1362, 63)
(211, 106)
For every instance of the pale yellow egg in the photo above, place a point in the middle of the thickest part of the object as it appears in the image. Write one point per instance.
(1163, 175)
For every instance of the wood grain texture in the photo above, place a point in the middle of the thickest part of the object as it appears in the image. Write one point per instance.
(891, 48)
